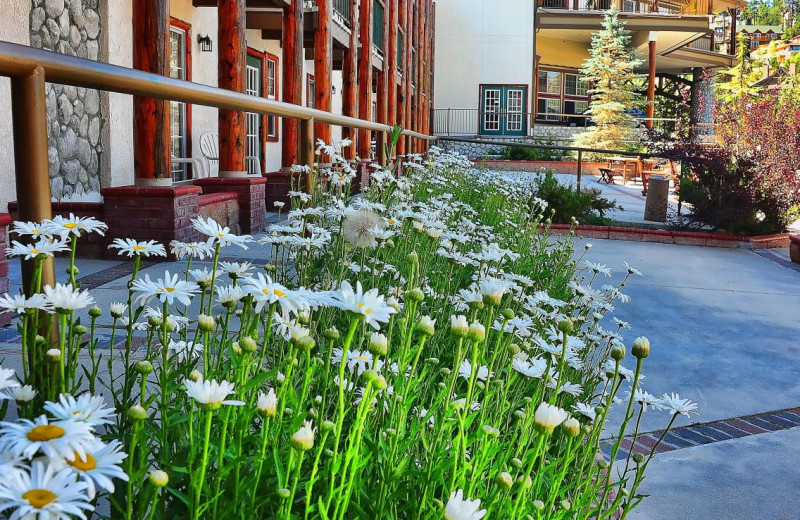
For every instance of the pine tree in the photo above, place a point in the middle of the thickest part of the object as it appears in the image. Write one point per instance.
(610, 72)
(741, 76)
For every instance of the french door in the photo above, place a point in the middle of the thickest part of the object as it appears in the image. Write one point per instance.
(178, 127)
(254, 87)
(504, 110)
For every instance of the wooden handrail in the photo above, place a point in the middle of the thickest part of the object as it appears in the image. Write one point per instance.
(20, 60)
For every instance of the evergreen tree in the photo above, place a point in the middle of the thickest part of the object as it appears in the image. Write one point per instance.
(741, 76)
(610, 72)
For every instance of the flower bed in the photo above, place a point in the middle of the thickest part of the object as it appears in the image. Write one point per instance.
(420, 352)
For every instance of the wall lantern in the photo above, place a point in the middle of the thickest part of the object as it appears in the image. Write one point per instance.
(206, 45)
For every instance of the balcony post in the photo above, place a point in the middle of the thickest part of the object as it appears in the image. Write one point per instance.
(382, 101)
(365, 78)
(401, 92)
(391, 61)
(307, 151)
(323, 50)
(651, 81)
(350, 80)
(231, 76)
(408, 97)
(292, 79)
(31, 167)
(151, 129)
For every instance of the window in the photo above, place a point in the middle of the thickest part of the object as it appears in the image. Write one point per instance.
(377, 24)
(400, 41)
(549, 82)
(548, 108)
(179, 124)
(272, 93)
(575, 85)
(311, 93)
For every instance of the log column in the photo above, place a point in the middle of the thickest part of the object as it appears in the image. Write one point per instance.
(292, 78)
(419, 38)
(400, 115)
(365, 77)
(323, 66)
(231, 76)
(651, 81)
(392, 62)
(382, 98)
(151, 130)
(350, 80)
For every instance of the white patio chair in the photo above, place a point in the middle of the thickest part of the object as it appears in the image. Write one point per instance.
(198, 168)
(209, 146)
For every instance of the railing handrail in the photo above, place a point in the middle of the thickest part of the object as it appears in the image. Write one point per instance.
(19, 60)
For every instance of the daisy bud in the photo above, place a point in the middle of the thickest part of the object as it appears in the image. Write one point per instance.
(514, 349)
(588, 246)
(41, 342)
(331, 334)
(327, 426)
(438, 503)
(284, 493)
(378, 344)
(143, 367)
(520, 415)
(508, 314)
(490, 431)
(413, 258)
(602, 464)
(638, 458)
(586, 429)
(24, 394)
(415, 295)
(476, 333)
(432, 361)
(248, 344)
(517, 463)
(394, 304)
(280, 377)
(195, 376)
(158, 478)
(270, 268)
(572, 427)
(565, 505)
(303, 439)
(267, 403)
(117, 310)
(95, 312)
(237, 349)
(547, 417)
(154, 321)
(426, 326)
(318, 399)
(80, 330)
(565, 326)
(538, 505)
(53, 355)
(377, 380)
(459, 326)
(205, 323)
(445, 372)
(504, 480)
(137, 413)
(72, 270)
(641, 347)
(442, 385)
(389, 244)
(618, 353)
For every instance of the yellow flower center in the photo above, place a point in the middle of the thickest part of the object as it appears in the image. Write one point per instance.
(35, 251)
(39, 498)
(169, 289)
(139, 248)
(365, 310)
(221, 235)
(70, 225)
(35, 231)
(341, 179)
(45, 432)
(391, 221)
(279, 293)
(84, 465)
(362, 358)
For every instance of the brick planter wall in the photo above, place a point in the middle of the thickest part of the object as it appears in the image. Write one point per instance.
(794, 248)
(251, 192)
(89, 246)
(277, 190)
(5, 220)
(143, 213)
(222, 208)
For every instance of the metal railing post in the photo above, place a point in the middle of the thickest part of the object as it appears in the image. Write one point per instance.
(307, 150)
(31, 165)
(580, 167)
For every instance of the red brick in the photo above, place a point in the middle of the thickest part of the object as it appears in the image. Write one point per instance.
(633, 235)
(745, 426)
(690, 240)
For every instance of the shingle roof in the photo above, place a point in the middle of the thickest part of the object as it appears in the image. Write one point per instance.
(761, 28)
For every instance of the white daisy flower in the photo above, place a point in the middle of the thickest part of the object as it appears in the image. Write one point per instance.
(99, 466)
(368, 304)
(87, 408)
(219, 234)
(465, 371)
(19, 303)
(7, 380)
(236, 269)
(267, 292)
(58, 439)
(73, 225)
(267, 403)
(533, 367)
(358, 361)
(185, 350)
(586, 410)
(547, 417)
(35, 229)
(210, 394)
(64, 298)
(460, 508)
(43, 247)
(202, 276)
(200, 250)
(133, 248)
(229, 295)
(646, 399)
(43, 494)
(167, 289)
(676, 405)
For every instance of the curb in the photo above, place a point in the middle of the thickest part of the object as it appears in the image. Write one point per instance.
(686, 238)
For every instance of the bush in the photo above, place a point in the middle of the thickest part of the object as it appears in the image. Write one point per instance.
(587, 206)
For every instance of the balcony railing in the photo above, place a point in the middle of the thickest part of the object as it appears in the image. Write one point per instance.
(631, 6)
(341, 8)
(377, 25)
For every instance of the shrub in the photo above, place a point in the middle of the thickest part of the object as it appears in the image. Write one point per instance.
(587, 206)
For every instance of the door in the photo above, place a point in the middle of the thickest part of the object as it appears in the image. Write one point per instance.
(178, 127)
(254, 87)
(504, 110)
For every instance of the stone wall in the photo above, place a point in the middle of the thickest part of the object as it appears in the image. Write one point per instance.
(74, 115)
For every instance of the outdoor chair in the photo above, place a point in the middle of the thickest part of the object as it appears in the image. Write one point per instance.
(666, 168)
(209, 146)
(606, 175)
(198, 168)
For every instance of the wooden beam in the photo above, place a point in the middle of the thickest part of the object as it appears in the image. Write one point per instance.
(292, 79)
(382, 101)
(350, 81)
(365, 78)
(410, 35)
(231, 70)
(391, 60)
(651, 85)
(419, 38)
(323, 66)
(151, 129)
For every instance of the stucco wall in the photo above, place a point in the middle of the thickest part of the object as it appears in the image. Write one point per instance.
(481, 42)
(15, 29)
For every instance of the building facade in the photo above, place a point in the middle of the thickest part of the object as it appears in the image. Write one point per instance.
(370, 59)
(521, 85)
